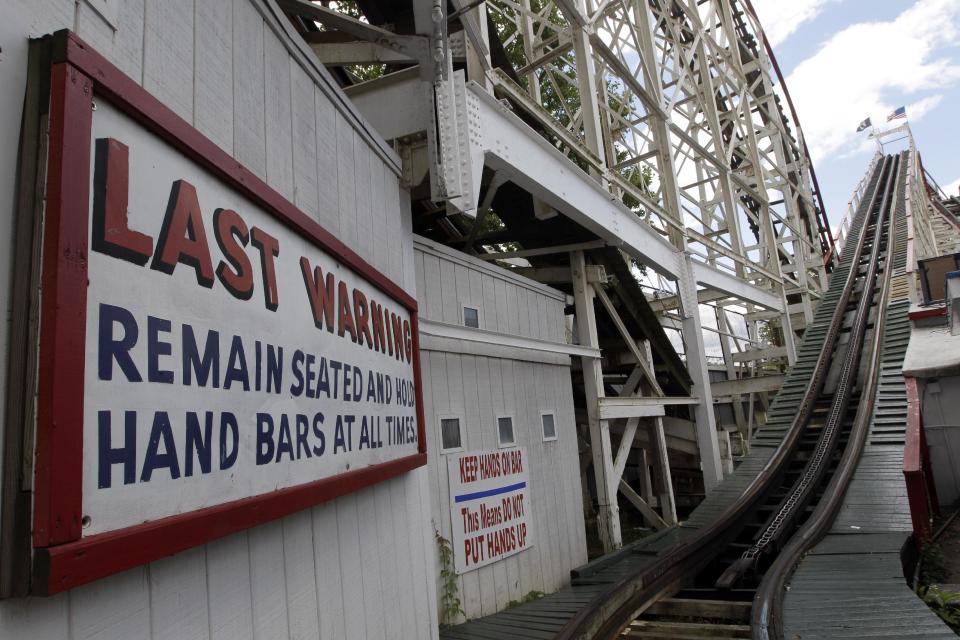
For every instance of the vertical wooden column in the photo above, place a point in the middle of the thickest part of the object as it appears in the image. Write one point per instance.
(608, 514)
(706, 428)
(658, 444)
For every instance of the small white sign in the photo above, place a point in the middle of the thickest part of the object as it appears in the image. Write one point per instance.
(489, 506)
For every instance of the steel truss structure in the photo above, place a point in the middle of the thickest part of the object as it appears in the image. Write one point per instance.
(633, 153)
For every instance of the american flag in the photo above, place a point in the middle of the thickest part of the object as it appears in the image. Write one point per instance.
(900, 112)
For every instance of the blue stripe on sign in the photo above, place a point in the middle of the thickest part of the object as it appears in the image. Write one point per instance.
(490, 492)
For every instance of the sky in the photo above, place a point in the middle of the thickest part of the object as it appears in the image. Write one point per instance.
(846, 60)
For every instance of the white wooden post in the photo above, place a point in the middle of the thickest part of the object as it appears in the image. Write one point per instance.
(608, 515)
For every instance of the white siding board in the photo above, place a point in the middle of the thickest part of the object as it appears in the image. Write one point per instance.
(213, 89)
(326, 556)
(278, 109)
(400, 238)
(328, 207)
(370, 564)
(168, 71)
(351, 575)
(178, 597)
(379, 181)
(431, 296)
(391, 600)
(46, 618)
(424, 572)
(123, 45)
(249, 117)
(267, 582)
(345, 177)
(462, 285)
(551, 519)
(305, 191)
(525, 299)
(301, 579)
(476, 295)
(449, 300)
(47, 16)
(117, 608)
(532, 559)
(228, 588)
(399, 584)
(489, 302)
(364, 208)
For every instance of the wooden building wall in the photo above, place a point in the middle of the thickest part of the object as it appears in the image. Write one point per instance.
(361, 566)
(477, 381)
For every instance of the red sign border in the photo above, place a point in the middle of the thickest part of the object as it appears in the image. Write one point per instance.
(63, 559)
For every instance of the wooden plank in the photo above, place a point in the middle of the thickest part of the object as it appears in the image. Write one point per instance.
(267, 581)
(278, 112)
(432, 294)
(326, 556)
(122, 45)
(328, 183)
(249, 117)
(345, 176)
(720, 609)
(449, 305)
(116, 608)
(370, 566)
(424, 571)
(47, 618)
(306, 193)
(168, 54)
(178, 597)
(213, 87)
(351, 575)
(300, 574)
(408, 554)
(228, 586)
(391, 558)
(383, 214)
(363, 213)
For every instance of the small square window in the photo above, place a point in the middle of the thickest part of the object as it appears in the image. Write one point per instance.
(549, 424)
(471, 317)
(450, 439)
(505, 431)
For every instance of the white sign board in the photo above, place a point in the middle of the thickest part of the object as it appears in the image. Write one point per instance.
(489, 506)
(228, 355)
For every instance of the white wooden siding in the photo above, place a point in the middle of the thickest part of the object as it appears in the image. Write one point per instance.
(357, 567)
(478, 388)
(507, 303)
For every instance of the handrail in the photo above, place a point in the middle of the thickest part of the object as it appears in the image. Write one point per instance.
(917, 470)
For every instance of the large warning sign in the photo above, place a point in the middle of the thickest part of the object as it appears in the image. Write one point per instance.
(489, 506)
(226, 356)
(210, 357)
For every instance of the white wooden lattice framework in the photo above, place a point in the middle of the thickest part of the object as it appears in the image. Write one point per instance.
(660, 132)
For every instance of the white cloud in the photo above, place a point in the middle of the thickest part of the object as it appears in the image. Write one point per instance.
(781, 18)
(870, 68)
(952, 188)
